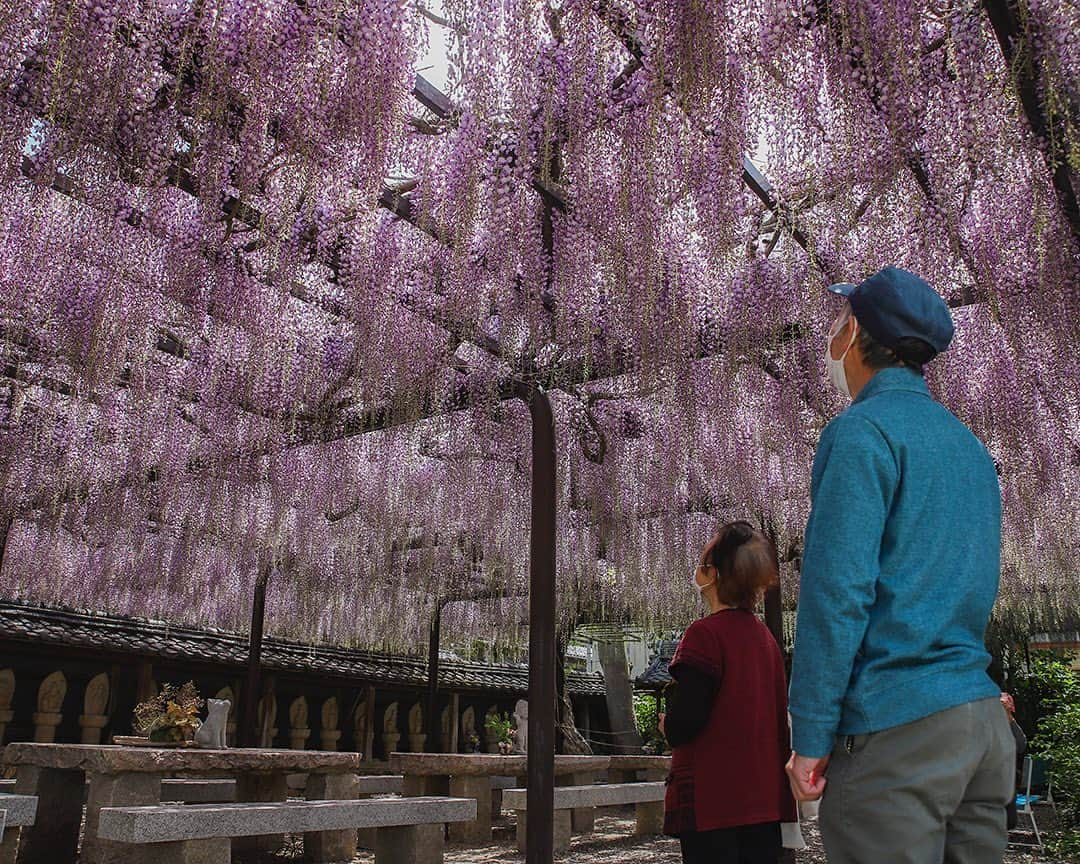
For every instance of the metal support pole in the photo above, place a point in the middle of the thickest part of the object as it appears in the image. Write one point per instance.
(539, 843)
(434, 728)
(248, 735)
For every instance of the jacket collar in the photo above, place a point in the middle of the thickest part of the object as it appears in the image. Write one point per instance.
(893, 378)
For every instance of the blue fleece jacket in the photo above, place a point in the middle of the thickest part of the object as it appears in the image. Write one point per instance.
(900, 569)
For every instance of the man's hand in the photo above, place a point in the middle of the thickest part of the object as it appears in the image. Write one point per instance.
(807, 776)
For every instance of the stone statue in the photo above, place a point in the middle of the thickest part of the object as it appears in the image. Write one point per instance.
(416, 719)
(298, 723)
(95, 703)
(417, 738)
(50, 701)
(390, 736)
(521, 726)
(468, 729)
(329, 734)
(389, 723)
(211, 734)
(96, 699)
(51, 693)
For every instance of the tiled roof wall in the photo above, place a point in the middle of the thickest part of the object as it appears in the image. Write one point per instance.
(41, 624)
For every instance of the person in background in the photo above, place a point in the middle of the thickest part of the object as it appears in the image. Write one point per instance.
(727, 715)
(1011, 817)
(889, 690)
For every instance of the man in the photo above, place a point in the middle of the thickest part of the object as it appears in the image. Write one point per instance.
(894, 718)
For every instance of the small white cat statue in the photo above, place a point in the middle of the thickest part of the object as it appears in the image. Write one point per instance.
(211, 734)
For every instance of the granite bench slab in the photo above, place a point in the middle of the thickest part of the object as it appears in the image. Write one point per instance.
(599, 795)
(168, 823)
(21, 809)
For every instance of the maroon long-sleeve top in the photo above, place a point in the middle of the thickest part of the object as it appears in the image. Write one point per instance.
(732, 772)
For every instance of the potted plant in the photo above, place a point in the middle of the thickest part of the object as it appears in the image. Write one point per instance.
(500, 728)
(171, 717)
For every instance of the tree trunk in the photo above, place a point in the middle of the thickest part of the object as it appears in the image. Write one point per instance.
(570, 740)
(619, 693)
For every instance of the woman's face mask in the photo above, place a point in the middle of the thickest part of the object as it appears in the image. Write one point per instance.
(702, 578)
(835, 368)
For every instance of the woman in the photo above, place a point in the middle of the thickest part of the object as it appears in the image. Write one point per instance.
(727, 717)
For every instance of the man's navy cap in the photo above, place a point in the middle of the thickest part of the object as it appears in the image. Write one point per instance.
(895, 304)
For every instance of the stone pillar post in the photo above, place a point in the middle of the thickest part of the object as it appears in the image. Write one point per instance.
(50, 703)
(54, 836)
(114, 790)
(330, 845)
(478, 787)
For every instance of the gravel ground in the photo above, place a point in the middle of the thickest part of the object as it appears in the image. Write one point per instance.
(613, 843)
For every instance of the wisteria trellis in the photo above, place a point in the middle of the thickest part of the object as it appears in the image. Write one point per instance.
(207, 294)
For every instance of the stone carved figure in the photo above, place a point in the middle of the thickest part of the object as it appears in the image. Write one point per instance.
(389, 724)
(329, 734)
(417, 738)
(298, 713)
(298, 723)
(521, 726)
(96, 699)
(211, 734)
(95, 703)
(50, 700)
(330, 713)
(391, 736)
(51, 693)
(468, 728)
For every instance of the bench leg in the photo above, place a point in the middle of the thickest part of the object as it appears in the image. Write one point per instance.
(562, 830)
(330, 845)
(54, 836)
(409, 844)
(650, 817)
(116, 790)
(9, 845)
(478, 832)
(582, 819)
(213, 851)
(251, 788)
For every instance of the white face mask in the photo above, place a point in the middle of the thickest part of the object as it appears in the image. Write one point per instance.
(836, 367)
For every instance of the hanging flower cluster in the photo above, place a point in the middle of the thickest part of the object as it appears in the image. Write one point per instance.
(267, 302)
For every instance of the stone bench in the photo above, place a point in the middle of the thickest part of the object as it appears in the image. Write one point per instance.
(409, 829)
(16, 812)
(648, 799)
